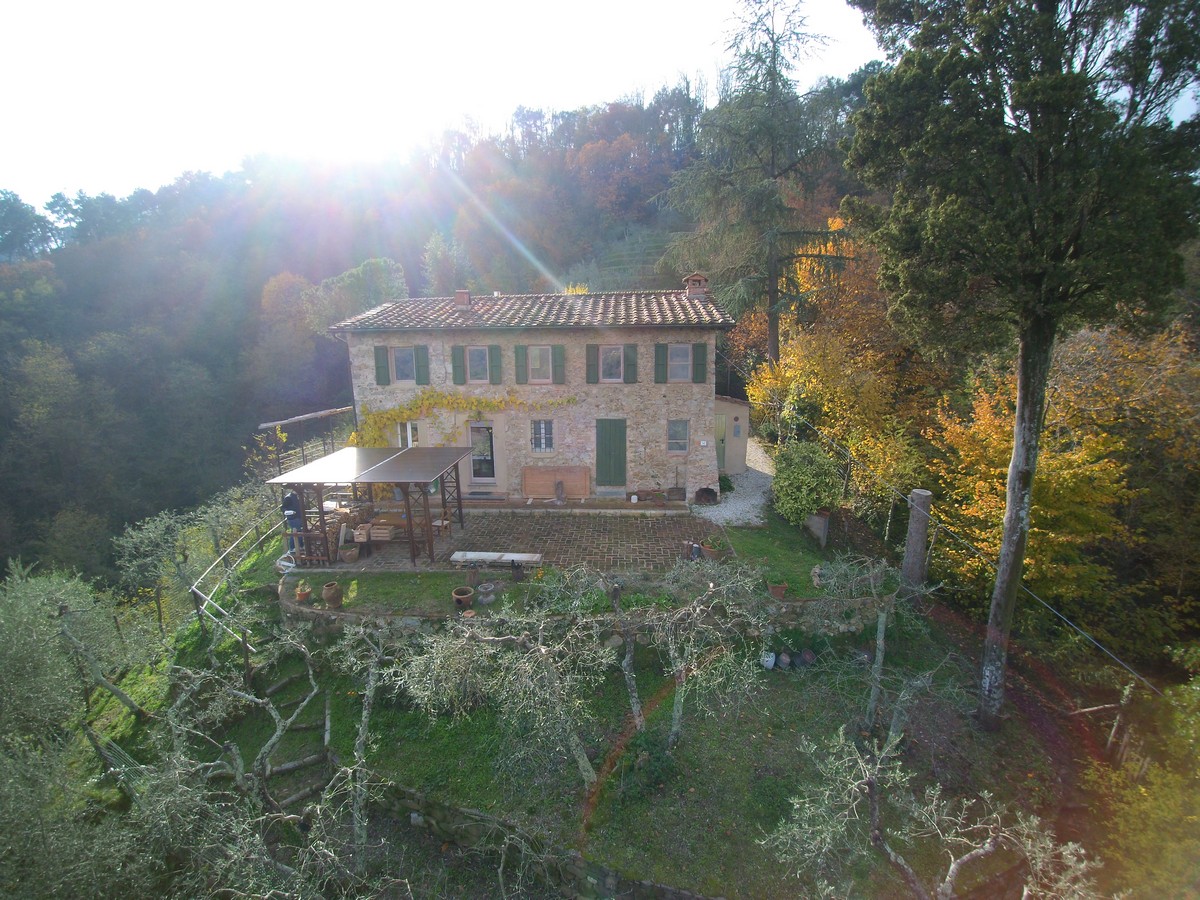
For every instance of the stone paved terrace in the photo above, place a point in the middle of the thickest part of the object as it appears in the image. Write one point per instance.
(615, 543)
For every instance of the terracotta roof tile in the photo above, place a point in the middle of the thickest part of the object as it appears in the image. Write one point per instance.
(626, 308)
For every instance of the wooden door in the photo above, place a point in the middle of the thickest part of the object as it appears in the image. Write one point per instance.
(719, 429)
(610, 452)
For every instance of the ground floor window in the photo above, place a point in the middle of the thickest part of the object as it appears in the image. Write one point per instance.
(677, 435)
(542, 436)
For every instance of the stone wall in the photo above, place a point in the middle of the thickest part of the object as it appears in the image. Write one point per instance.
(573, 407)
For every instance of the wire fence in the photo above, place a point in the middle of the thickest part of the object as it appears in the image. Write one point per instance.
(219, 575)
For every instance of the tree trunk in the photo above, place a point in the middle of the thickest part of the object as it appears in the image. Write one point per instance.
(586, 770)
(162, 628)
(359, 776)
(877, 666)
(635, 702)
(772, 305)
(1033, 373)
(898, 862)
(97, 674)
(677, 708)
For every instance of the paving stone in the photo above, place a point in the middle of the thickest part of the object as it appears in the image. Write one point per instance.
(609, 543)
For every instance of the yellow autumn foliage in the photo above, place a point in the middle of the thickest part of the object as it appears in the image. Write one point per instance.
(1080, 488)
(377, 427)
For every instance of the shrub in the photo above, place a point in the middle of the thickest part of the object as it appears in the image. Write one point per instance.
(806, 480)
(646, 768)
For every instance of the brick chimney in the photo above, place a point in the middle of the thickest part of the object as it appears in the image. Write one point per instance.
(697, 286)
(462, 299)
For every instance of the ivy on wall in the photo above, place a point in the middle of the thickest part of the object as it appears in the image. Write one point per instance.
(376, 427)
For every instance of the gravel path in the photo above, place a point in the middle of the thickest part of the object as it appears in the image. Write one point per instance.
(747, 504)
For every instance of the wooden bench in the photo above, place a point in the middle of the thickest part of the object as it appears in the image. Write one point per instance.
(462, 558)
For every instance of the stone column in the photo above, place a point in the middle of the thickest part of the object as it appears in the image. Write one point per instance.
(912, 573)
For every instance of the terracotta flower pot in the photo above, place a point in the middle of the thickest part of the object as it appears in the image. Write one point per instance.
(463, 596)
(331, 593)
(778, 591)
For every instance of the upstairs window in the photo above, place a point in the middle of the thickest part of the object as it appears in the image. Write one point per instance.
(679, 362)
(612, 359)
(402, 364)
(540, 363)
(405, 362)
(477, 365)
(612, 363)
(540, 370)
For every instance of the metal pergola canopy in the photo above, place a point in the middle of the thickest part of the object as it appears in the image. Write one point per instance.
(377, 465)
(412, 470)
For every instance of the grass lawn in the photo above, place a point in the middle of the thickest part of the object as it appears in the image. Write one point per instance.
(694, 818)
(786, 553)
(419, 593)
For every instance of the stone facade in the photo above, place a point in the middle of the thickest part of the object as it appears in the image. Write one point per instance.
(573, 407)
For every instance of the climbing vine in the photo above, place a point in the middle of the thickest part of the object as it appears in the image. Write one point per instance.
(375, 427)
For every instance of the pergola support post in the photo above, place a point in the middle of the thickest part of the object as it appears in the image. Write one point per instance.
(417, 518)
(452, 494)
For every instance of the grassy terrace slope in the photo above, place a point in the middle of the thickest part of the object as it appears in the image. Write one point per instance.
(693, 818)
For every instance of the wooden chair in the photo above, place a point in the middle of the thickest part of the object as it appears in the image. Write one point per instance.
(439, 524)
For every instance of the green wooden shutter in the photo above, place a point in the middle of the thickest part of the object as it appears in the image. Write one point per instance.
(521, 358)
(610, 452)
(458, 362)
(699, 363)
(631, 363)
(558, 363)
(494, 363)
(593, 363)
(421, 360)
(660, 363)
(383, 372)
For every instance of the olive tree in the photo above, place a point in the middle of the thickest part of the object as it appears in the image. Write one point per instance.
(538, 672)
(710, 642)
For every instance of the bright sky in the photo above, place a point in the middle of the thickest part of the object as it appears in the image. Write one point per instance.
(111, 97)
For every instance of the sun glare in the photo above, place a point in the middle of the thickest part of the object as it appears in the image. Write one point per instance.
(162, 89)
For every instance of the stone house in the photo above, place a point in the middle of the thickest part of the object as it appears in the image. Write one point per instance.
(592, 395)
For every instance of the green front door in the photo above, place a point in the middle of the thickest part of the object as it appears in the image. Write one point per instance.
(719, 429)
(610, 452)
